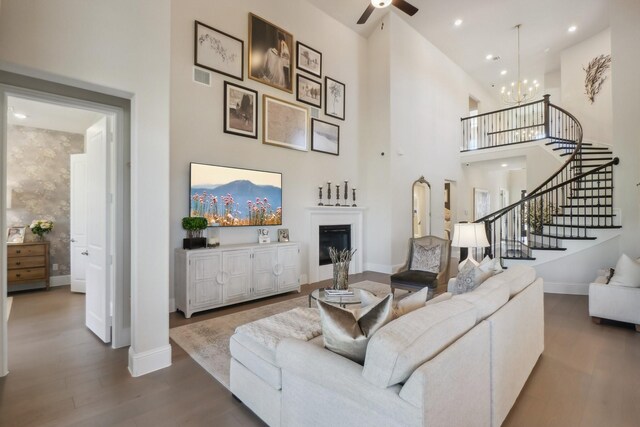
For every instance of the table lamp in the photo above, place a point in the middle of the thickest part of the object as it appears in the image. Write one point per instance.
(469, 235)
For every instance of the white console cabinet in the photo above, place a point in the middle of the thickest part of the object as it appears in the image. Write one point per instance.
(210, 278)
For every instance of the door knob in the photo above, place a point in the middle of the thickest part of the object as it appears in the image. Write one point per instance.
(85, 253)
(73, 240)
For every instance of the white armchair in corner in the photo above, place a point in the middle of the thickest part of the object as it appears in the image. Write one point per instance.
(614, 302)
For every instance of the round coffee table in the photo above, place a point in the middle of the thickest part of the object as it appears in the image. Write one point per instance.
(341, 301)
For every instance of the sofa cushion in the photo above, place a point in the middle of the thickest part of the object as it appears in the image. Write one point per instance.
(347, 335)
(516, 277)
(415, 278)
(409, 341)
(469, 278)
(626, 273)
(406, 304)
(491, 264)
(487, 298)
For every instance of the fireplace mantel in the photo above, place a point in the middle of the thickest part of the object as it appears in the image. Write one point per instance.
(334, 215)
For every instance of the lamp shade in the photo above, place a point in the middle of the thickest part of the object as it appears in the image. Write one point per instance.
(469, 235)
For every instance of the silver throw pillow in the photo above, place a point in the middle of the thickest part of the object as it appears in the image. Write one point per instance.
(347, 336)
(425, 258)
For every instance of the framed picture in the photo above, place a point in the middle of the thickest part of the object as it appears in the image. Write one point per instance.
(325, 137)
(309, 91)
(447, 195)
(270, 49)
(240, 111)
(334, 98)
(218, 51)
(283, 234)
(308, 59)
(284, 124)
(481, 203)
(16, 234)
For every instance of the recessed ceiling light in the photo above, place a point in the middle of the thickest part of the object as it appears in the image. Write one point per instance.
(503, 72)
(572, 29)
(489, 56)
(504, 165)
(20, 116)
(457, 22)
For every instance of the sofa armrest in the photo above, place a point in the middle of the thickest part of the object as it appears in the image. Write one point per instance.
(615, 302)
(319, 382)
(451, 285)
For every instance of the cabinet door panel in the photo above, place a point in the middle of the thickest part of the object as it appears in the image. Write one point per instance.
(236, 268)
(206, 290)
(288, 266)
(264, 278)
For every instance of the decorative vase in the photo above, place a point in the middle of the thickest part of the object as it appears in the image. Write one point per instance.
(39, 238)
(341, 275)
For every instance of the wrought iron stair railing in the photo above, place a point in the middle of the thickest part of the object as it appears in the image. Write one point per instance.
(577, 197)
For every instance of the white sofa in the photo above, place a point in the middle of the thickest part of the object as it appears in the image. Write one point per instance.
(614, 302)
(460, 362)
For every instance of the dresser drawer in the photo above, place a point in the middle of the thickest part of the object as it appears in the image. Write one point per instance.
(26, 262)
(26, 274)
(25, 250)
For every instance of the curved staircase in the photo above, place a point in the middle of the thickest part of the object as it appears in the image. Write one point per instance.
(569, 205)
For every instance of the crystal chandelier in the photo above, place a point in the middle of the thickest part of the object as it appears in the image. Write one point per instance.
(520, 91)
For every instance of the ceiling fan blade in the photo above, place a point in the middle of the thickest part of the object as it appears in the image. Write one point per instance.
(367, 13)
(406, 7)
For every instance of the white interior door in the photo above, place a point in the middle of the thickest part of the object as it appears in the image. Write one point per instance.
(78, 217)
(98, 312)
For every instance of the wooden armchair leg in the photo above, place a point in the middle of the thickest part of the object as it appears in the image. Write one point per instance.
(596, 320)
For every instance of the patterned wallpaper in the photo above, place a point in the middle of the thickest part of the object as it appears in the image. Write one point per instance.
(38, 174)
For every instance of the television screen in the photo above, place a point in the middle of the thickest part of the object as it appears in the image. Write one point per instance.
(233, 197)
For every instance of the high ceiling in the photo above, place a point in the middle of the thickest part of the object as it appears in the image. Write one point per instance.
(50, 116)
(488, 28)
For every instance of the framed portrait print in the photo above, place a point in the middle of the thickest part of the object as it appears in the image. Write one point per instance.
(16, 234)
(240, 111)
(325, 137)
(308, 59)
(218, 51)
(283, 234)
(284, 124)
(481, 203)
(334, 98)
(308, 91)
(270, 54)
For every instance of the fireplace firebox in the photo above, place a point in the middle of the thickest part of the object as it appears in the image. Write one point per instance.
(337, 236)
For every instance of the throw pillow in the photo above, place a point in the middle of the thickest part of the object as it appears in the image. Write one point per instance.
(489, 264)
(426, 259)
(347, 335)
(627, 273)
(402, 306)
(612, 271)
(469, 278)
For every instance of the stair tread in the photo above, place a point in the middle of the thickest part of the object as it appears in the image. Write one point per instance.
(582, 226)
(519, 258)
(585, 206)
(601, 196)
(585, 215)
(546, 248)
(565, 237)
(594, 188)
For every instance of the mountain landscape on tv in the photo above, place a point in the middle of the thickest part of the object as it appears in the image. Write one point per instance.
(237, 203)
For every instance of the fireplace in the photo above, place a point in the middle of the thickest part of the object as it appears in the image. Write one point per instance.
(337, 236)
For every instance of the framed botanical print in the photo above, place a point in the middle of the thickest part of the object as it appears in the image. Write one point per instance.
(481, 203)
(308, 59)
(284, 124)
(325, 137)
(270, 54)
(334, 101)
(309, 91)
(218, 51)
(240, 110)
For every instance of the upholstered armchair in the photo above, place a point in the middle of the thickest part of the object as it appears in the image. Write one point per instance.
(413, 276)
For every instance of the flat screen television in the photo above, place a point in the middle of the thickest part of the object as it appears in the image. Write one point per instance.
(234, 197)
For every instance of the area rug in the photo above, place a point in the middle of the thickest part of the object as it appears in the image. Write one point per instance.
(207, 342)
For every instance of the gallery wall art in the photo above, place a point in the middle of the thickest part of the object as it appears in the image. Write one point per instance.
(218, 51)
(284, 124)
(270, 54)
(240, 110)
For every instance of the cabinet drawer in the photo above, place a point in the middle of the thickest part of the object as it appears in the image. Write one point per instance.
(25, 262)
(25, 250)
(26, 274)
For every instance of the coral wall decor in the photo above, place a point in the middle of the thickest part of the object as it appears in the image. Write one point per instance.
(595, 75)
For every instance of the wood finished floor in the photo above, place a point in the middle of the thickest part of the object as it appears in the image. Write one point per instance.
(589, 375)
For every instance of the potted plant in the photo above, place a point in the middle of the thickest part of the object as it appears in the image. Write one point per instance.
(40, 227)
(194, 227)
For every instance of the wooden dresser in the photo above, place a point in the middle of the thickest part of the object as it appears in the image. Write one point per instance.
(28, 263)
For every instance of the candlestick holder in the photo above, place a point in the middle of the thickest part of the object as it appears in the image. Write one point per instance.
(328, 194)
(337, 194)
(353, 190)
(320, 196)
(346, 193)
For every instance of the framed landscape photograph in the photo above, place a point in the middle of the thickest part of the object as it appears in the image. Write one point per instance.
(481, 203)
(218, 51)
(309, 91)
(270, 54)
(334, 98)
(284, 124)
(325, 137)
(240, 110)
(308, 59)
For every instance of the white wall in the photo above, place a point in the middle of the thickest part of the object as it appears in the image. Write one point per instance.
(596, 118)
(552, 87)
(122, 48)
(197, 112)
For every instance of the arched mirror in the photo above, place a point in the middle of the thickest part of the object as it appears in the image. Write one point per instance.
(421, 195)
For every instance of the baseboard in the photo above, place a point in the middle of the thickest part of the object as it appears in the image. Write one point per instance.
(60, 280)
(149, 361)
(566, 288)
(304, 279)
(172, 305)
(380, 268)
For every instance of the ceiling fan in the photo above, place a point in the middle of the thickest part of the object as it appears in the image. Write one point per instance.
(404, 6)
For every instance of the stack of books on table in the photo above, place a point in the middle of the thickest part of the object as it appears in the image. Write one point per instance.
(338, 292)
